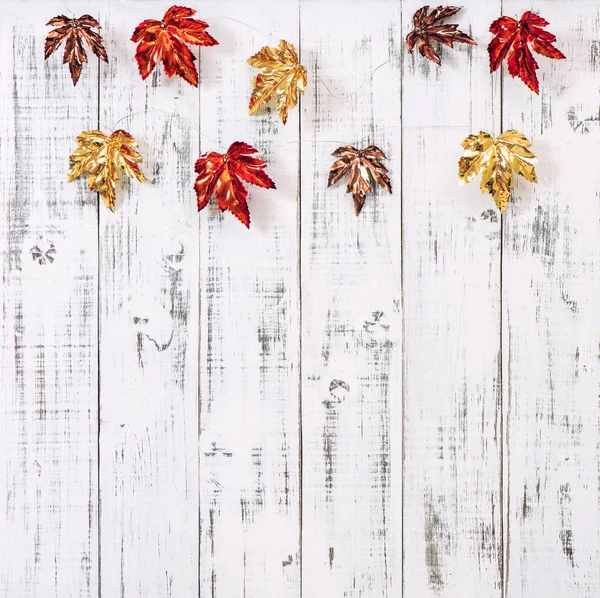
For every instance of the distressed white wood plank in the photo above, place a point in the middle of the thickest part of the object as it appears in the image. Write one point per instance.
(48, 353)
(351, 306)
(551, 286)
(149, 330)
(249, 475)
(451, 290)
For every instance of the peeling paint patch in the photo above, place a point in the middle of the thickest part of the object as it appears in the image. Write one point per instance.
(435, 537)
(566, 532)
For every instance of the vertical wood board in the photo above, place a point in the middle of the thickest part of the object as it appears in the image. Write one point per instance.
(249, 337)
(551, 290)
(149, 330)
(452, 358)
(351, 306)
(48, 360)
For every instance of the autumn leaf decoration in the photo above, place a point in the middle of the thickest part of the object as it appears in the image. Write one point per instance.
(103, 157)
(495, 158)
(222, 174)
(281, 76)
(73, 32)
(166, 41)
(428, 28)
(512, 39)
(363, 166)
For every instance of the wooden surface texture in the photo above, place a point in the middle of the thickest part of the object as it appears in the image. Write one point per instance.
(403, 404)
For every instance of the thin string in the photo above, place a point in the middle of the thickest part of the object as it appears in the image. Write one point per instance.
(132, 114)
(337, 140)
(339, 97)
(194, 121)
(242, 23)
(373, 132)
(345, 142)
(349, 95)
(333, 95)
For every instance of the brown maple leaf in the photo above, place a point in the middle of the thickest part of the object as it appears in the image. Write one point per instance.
(512, 39)
(223, 175)
(73, 32)
(165, 40)
(427, 28)
(363, 166)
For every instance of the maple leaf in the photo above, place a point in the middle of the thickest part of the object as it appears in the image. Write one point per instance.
(495, 158)
(103, 157)
(363, 166)
(165, 41)
(281, 75)
(512, 40)
(427, 28)
(223, 175)
(73, 32)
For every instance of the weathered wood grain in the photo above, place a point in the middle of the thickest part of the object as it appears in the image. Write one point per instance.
(149, 330)
(451, 290)
(551, 290)
(249, 317)
(351, 306)
(48, 354)
(252, 413)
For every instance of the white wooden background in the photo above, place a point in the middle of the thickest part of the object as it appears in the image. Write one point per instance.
(400, 404)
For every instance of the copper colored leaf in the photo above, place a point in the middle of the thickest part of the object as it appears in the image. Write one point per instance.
(363, 167)
(281, 76)
(223, 174)
(512, 40)
(428, 28)
(73, 32)
(103, 157)
(495, 159)
(166, 41)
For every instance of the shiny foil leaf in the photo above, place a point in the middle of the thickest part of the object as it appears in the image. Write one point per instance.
(166, 41)
(363, 167)
(512, 40)
(495, 159)
(281, 76)
(428, 28)
(74, 32)
(222, 174)
(103, 157)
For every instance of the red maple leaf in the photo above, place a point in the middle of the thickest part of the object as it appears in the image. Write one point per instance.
(221, 174)
(165, 41)
(512, 40)
(73, 32)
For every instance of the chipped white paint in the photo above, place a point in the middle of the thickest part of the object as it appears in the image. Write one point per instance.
(399, 404)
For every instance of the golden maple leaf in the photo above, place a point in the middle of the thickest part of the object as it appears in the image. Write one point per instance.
(103, 157)
(495, 158)
(281, 75)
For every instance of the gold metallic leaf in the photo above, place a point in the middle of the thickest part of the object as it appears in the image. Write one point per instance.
(281, 76)
(103, 157)
(495, 159)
